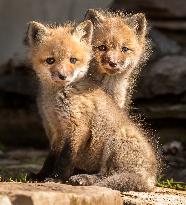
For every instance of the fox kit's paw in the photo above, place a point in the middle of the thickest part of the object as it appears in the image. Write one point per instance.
(50, 179)
(35, 177)
(83, 179)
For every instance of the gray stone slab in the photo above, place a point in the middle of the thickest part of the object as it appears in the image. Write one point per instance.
(56, 194)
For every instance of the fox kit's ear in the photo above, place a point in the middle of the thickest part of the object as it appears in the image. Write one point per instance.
(84, 31)
(139, 23)
(35, 33)
(95, 16)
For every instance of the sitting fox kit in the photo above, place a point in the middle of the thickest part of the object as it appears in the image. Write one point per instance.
(89, 133)
(120, 46)
(59, 56)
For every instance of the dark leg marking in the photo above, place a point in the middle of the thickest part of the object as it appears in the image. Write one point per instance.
(63, 167)
(47, 168)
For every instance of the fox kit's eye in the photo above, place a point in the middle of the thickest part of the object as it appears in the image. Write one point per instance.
(73, 60)
(50, 61)
(125, 49)
(102, 48)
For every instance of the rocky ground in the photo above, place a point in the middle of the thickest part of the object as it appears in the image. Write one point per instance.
(56, 194)
(175, 161)
(158, 197)
(12, 193)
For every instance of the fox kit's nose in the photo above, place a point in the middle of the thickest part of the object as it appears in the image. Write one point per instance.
(59, 75)
(62, 76)
(112, 64)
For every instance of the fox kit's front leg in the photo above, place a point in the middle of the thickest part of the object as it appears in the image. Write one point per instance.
(58, 165)
(64, 163)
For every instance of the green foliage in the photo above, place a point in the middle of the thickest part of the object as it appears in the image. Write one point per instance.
(22, 177)
(170, 183)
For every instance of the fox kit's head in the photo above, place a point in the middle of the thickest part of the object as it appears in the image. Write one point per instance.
(60, 55)
(118, 41)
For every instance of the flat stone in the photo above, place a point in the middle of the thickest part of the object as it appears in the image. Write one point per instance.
(158, 197)
(157, 110)
(164, 76)
(18, 77)
(162, 44)
(26, 129)
(4, 200)
(56, 194)
(170, 25)
(62, 194)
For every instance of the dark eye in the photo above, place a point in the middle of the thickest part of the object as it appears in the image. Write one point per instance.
(50, 60)
(125, 49)
(102, 48)
(73, 60)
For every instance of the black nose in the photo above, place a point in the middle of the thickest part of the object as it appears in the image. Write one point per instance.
(112, 64)
(59, 75)
(62, 76)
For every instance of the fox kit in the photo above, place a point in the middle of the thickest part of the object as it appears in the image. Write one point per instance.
(120, 46)
(59, 56)
(91, 133)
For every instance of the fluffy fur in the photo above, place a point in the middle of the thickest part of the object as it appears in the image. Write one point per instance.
(120, 48)
(62, 44)
(90, 134)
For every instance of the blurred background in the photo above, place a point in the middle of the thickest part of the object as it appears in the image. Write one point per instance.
(160, 94)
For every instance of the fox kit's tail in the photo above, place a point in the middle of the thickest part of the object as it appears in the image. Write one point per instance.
(128, 182)
(119, 181)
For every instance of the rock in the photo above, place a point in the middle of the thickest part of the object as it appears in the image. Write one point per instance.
(159, 197)
(173, 147)
(4, 200)
(170, 24)
(182, 175)
(15, 164)
(26, 154)
(57, 194)
(17, 83)
(163, 77)
(155, 9)
(163, 45)
(17, 77)
(162, 110)
(24, 125)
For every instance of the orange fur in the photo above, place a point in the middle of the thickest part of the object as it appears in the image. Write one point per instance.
(87, 130)
(126, 48)
(60, 43)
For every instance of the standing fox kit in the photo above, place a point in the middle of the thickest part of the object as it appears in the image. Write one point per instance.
(120, 46)
(89, 131)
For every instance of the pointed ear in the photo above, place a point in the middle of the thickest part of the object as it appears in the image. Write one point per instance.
(35, 33)
(139, 23)
(84, 31)
(95, 16)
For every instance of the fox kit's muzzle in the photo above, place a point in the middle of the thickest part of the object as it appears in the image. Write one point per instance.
(59, 75)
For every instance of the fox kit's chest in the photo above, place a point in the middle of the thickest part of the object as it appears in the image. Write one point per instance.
(73, 106)
(63, 106)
